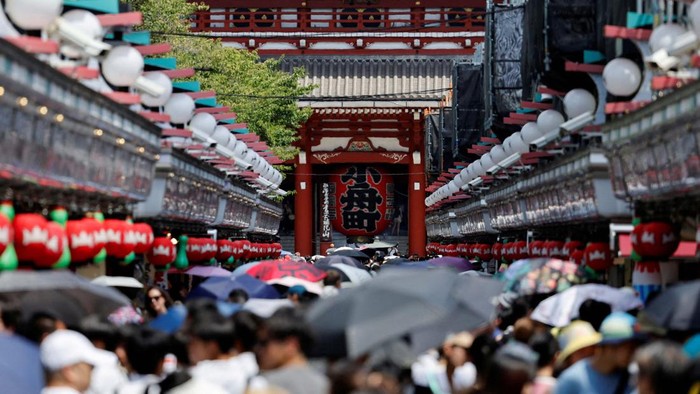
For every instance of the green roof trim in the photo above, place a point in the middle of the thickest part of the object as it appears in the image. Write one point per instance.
(167, 63)
(590, 57)
(636, 20)
(208, 102)
(190, 86)
(104, 6)
(138, 37)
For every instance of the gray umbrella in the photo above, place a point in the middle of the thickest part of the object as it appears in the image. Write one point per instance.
(61, 293)
(422, 306)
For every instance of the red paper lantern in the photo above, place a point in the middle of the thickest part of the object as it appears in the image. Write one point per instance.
(486, 253)
(120, 238)
(224, 249)
(144, 237)
(246, 245)
(577, 256)
(194, 250)
(53, 249)
(496, 250)
(364, 198)
(209, 249)
(450, 250)
(81, 240)
(278, 251)
(520, 250)
(99, 234)
(655, 240)
(506, 251)
(570, 247)
(556, 249)
(7, 233)
(162, 252)
(535, 248)
(597, 256)
(30, 236)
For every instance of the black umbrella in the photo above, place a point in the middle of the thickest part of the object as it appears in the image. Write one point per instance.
(421, 305)
(354, 253)
(60, 293)
(336, 259)
(677, 308)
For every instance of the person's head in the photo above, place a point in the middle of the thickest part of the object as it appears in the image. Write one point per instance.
(238, 296)
(594, 312)
(299, 295)
(157, 301)
(68, 358)
(332, 278)
(102, 333)
(456, 347)
(546, 347)
(10, 314)
(576, 341)
(246, 325)
(414, 257)
(481, 351)
(210, 337)
(145, 349)
(283, 338)
(619, 340)
(512, 368)
(662, 368)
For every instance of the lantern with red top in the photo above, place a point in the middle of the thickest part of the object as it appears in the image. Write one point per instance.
(535, 248)
(56, 241)
(597, 256)
(655, 240)
(144, 237)
(245, 244)
(209, 249)
(81, 240)
(496, 250)
(520, 250)
(506, 252)
(485, 253)
(577, 256)
(31, 236)
(450, 250)
(120, 238)
(162, 252)
(555, 249)
(195, 252)
(570, 247)
(224, 250)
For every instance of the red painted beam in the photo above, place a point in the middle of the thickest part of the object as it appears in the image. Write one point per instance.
(179, 73)
(546, 90)
(155, 116)
(176, 133)
(225, 115)
(154, 49)
(664, 82)
(529, 117)
(237, 126)
(622, 32)
(202, 94)
(510, 120)
(212, 110)
(624, 106)
(123, 97)
(33, 44)
(584, 68)
(534, 105)
(122, 19)
(80, 72)
(490, 140)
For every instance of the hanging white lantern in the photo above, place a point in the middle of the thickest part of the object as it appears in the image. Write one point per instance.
(221, 135)
(663, 36)
(164, 82)
(498, 153)
(486, 161)
(87, 23)
(547, 121)
(203, 122)
(122, 66)
(459, 179)
(180, 107)
(622, 77)
(578, 102)
(515, 144)
(33, 14)
(452, 188)
(231, 142)
(530, 132)
(239, 150)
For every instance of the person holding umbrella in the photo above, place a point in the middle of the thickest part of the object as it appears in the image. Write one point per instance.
(157, 301)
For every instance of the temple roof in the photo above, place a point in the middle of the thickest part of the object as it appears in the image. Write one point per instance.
(378, 81)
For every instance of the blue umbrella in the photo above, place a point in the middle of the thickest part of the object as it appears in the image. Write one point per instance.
(456, 263)
(220, 287)
(245, 267)
(171, 321)
(20, 368)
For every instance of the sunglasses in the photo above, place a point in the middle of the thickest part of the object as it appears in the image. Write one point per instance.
(155, 298)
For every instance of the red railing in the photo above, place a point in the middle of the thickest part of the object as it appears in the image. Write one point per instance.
(338, 20)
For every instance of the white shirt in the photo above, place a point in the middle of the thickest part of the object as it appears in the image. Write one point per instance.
(59, 390)
(228, 374)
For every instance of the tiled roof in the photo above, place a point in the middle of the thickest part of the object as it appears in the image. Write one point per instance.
(393, 79)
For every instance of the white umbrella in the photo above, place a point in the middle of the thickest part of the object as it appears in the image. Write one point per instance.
(265, 308)
(356, 275)
(559, 309)
(118, 281)
(289, 281)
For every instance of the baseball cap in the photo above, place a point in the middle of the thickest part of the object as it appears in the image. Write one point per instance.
(574, 337)
(619, 327)
(63, 348)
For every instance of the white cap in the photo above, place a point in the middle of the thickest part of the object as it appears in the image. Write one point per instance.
(63, 348)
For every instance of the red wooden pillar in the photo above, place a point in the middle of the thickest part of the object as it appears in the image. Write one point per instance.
(416, 205)
(303, 208)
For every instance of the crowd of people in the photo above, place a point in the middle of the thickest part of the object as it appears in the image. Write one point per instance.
(217, 348)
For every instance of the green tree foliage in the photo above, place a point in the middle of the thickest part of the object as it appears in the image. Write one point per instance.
(260, 93)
